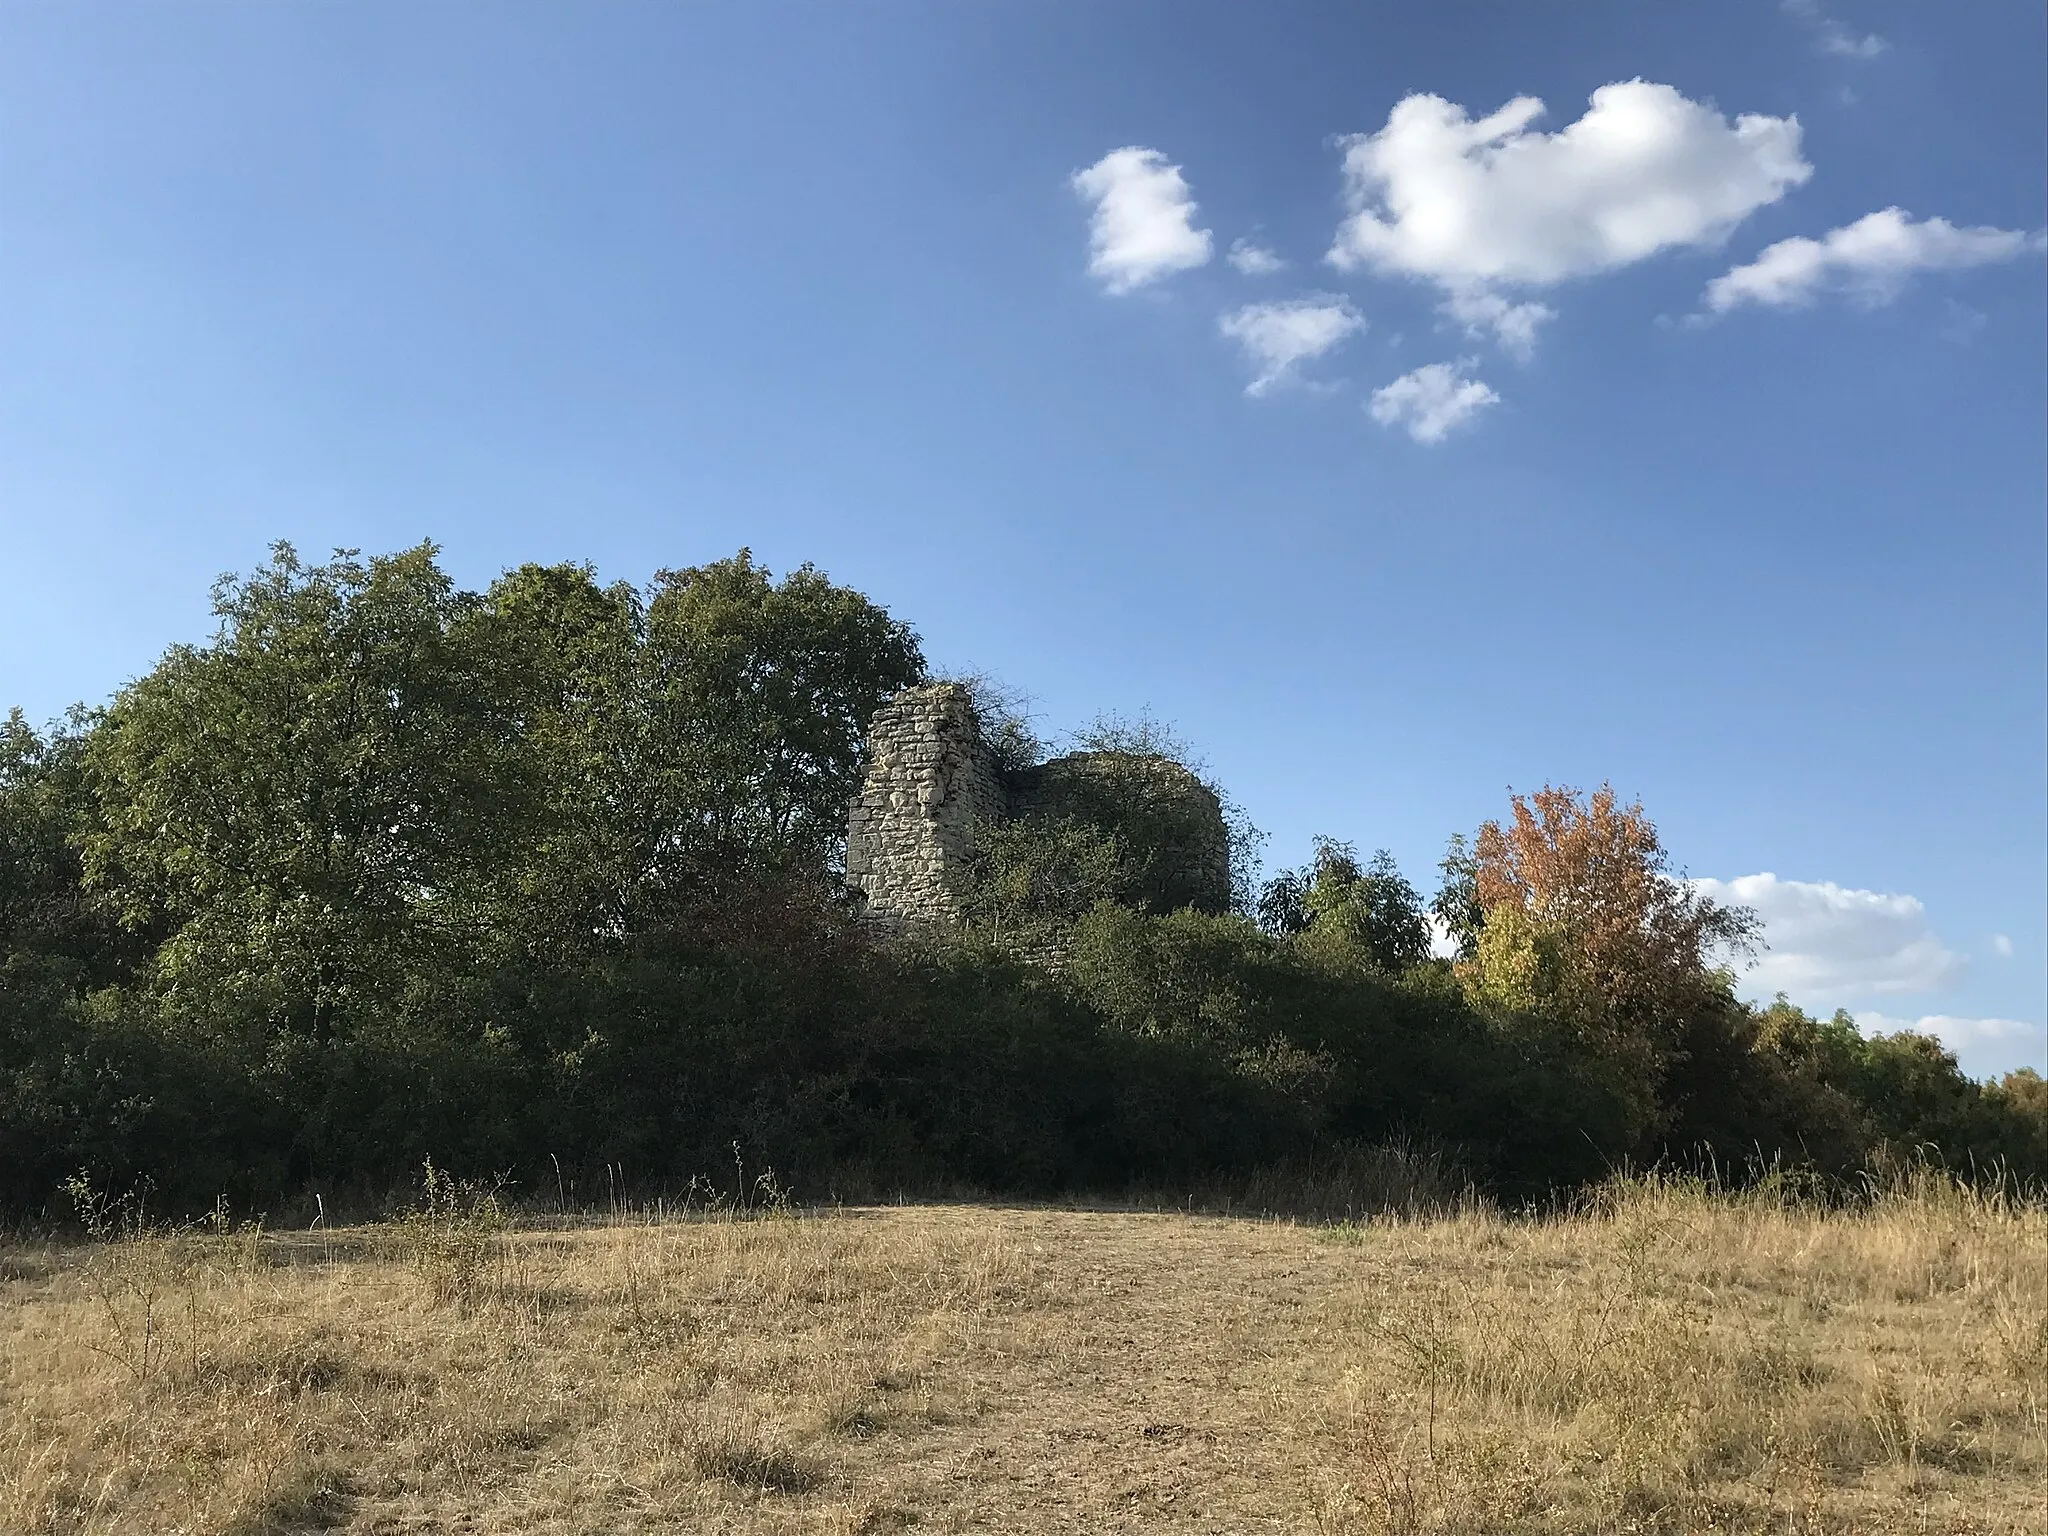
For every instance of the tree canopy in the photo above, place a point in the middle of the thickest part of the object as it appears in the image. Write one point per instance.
(548, 874)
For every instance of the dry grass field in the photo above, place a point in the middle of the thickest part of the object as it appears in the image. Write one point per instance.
(1664, 1361)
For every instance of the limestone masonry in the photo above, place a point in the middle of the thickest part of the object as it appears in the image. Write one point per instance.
(932, 780)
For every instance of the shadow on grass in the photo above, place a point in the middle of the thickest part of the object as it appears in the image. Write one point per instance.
(312, 1497)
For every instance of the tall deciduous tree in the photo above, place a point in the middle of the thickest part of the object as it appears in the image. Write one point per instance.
(307, 803)
(52, 934)
(369, 781)
(1582, 922)
(690, 742)
(770, 686)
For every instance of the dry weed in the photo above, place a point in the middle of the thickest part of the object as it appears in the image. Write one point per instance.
(1668, 1359)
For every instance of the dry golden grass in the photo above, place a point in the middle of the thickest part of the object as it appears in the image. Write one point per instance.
(1666, 1361)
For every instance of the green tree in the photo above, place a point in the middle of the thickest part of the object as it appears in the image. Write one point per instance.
(696, 745)
(2016, 1125)
(1456, 903)
(52, 932)
(595, 783)
(304, 807)
(1370, 911)
(765, 690)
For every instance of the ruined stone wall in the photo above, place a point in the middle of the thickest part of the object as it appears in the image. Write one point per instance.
(930, 779)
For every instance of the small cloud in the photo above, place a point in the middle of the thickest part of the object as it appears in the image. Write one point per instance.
(1830, 36)
(2001, 946)
(1871, 260)
(1278, 336)
(1253, 260)
(1963, 322)
(1512, 325)
(1432, 401)
(1830, 945)
(1143, 225)
(1849, 46)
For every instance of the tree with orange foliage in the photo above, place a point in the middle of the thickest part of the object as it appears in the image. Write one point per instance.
(1580, 922)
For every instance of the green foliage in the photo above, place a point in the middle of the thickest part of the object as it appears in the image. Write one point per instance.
(1904, 1093)
(1042, 870)
(389, 875)
(774, 684)
(685, 747)
(1369, 913)
(1166, 811)
(1127, 818)
(1149, 817)
(1188, 976)
(52, 935)
(1456, 903)
(2014, 1133)
(304, 808)
(1004, 715)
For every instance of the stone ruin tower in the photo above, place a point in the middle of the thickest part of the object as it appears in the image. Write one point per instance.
(932, 781)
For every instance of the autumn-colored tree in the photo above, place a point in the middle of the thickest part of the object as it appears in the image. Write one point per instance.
(1582, 922)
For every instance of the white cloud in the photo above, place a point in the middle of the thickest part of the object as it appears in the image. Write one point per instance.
(1253, 260)
(1143, 225)
(1982, 1044)
(2001, 946)
(1432, 401)
(1830, 945)
(1512, 325)
(1479, 206)
(1278, 335)
(1443, 944)
(1871, 259)
(1950, 1028)
(1830, 36)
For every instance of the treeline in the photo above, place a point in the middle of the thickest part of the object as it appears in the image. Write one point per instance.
(543, 880)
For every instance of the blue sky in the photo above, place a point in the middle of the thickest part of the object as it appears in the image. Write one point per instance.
(1745, 514)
